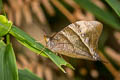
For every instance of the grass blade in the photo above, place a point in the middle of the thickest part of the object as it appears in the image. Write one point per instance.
(33, 45)
(27, 75)
(115, 4)
(8, 68)
(100, 14)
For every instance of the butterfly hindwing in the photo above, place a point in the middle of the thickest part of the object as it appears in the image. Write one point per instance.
(77, 40)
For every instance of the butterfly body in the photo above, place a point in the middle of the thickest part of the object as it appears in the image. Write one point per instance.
(77, 40)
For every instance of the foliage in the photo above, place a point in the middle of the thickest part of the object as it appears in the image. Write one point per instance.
(7, 54)
(27, 75)
(115, 4)
(102, 15)
(8, 67)
(29, 42)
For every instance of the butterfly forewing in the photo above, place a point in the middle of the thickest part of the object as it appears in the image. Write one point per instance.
(77, 40)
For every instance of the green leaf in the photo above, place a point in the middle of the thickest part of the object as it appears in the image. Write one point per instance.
(115, 4)
(27, 75)
(8, 68)
(5, 25)
(57, 60)
(27, 41)
(100, 14)
(33, 45)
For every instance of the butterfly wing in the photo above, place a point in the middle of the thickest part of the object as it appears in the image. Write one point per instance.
(89, 32)
(76, 40)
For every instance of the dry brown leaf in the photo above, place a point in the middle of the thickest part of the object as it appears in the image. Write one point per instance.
(48, 7)
(99, 3)
(72, 4)
(18, 17)
(27, 13)
(113, 54)
(69, 15)
(38, 11)
(109, 66)
(39, 70)
(89, 16)
(78, 14)
(19, 65)
(9, 12)
(25, 62)
(48, 73)
(117, 36)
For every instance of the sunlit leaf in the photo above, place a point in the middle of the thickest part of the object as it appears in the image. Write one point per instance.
(5, 25)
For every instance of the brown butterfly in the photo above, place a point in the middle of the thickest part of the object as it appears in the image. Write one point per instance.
(77, 40)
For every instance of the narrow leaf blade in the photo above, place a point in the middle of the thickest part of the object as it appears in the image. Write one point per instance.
(8, 67)
(100, 14)
(115, 4)
(27, 75)
(33, 45)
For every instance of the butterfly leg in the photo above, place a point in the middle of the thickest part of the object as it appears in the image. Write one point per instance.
(42, 50)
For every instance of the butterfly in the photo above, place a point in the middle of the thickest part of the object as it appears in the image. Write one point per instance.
(77, 40)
